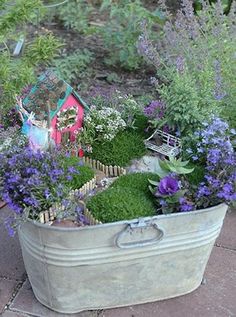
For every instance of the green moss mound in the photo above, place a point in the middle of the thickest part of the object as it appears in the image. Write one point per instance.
(85, 174)
(128, 198)
(137, 181)
(117, 204)
(126, 146)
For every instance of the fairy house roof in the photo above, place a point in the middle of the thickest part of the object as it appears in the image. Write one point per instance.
(52, 89)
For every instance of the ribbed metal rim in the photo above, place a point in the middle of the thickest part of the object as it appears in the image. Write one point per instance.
(111, 224)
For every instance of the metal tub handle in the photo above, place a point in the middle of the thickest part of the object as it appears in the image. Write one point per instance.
(130, 229)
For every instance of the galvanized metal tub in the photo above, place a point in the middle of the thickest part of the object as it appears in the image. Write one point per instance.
(119, 264)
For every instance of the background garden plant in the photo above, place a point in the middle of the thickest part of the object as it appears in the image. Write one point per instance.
(117, 26)
(74, 66)
(15, 73)
(195, 61)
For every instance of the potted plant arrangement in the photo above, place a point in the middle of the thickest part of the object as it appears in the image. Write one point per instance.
(138, 241)
(170, 217)
(151, 232)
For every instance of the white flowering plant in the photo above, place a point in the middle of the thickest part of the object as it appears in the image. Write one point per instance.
(124, 104)
(11, 137)
(100, 125)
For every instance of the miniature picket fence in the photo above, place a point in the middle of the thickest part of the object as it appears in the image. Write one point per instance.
(108, 170)
(86, 188)
(92, 221)
(50, 215)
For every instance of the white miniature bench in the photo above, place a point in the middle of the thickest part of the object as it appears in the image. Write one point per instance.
(169, 144)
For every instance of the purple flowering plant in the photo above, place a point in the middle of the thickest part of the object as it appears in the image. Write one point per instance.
(180, 191)
(171, 188)
(214, 149)
(31, 182)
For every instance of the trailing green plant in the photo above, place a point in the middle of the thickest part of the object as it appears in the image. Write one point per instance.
(126, 146)
(15, 73)
(74, 66)
(194, 57)
(121, 31)
(117, 204)
(197, 176)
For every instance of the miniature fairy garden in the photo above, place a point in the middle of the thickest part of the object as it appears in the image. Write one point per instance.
(69, 162)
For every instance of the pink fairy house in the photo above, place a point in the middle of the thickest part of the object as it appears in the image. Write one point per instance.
(55, 97)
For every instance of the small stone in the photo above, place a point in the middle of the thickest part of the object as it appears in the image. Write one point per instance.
(99, 176)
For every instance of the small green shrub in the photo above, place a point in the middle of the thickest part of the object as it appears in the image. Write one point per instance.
(116, 204)
(73, 66)
(43, 49)
(126, 145)
(186, 108)
(75, 14)
(85, 172)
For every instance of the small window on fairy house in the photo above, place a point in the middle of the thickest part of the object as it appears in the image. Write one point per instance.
(67, 118)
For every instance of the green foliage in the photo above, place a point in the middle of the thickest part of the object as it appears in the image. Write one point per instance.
(128, 198)
(140, 124)
(74, 66)
(15, 73)
(186, 107)
(75, 14)
(225, 3)
(85, 173)
(197, 176)
(17, 13)
(42, 49)
(118, 26)
(127, 145)
(122, 30)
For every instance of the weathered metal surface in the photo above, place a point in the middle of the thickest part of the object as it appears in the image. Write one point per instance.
(74, 269)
